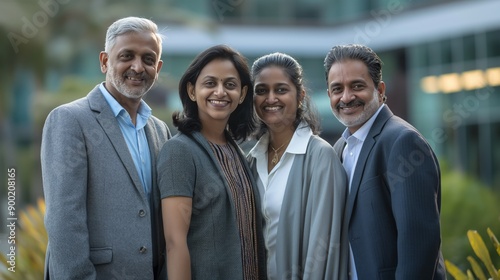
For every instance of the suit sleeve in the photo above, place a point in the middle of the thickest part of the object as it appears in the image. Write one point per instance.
(64, 174)
(414, 183)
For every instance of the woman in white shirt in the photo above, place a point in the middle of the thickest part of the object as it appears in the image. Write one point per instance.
(301, 181)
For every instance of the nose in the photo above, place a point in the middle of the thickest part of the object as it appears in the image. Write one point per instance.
(271, 97)
(137, 65)
(219, 90)
(347, 96)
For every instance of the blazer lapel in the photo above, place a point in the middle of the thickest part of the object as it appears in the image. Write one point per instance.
(339, 147)
(110, 126)
(368, 144)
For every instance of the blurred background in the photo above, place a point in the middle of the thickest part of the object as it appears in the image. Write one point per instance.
(441, 66)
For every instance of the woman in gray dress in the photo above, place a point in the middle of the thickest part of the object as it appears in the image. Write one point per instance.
(209, 204)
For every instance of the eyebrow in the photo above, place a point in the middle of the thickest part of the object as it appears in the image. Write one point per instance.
(274, 85)
(150, 53)
(216, 78)
(355, 81)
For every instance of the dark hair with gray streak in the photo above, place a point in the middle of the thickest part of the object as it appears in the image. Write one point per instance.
(307, 112)
(356, 52)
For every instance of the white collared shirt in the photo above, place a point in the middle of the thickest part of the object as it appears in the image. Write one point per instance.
(272, 186)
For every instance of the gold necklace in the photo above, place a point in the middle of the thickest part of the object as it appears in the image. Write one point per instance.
(276, 157)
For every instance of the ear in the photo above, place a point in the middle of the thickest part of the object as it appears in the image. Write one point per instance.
(190, 91)
(243, 94)
(381, 91)
(103, 61)
(328, 93)
(160, 64)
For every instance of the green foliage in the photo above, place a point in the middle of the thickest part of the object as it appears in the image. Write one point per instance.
(466, 204)
(483, 254)
(31, 242)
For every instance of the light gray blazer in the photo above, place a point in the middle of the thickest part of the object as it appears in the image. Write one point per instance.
(311, 242)
(99, 221)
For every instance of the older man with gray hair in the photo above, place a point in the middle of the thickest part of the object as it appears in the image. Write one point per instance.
(98, 155)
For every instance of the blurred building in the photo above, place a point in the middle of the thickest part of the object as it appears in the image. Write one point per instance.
(441, 60)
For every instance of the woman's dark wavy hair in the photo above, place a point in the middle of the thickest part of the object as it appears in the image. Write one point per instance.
(242, 121)
(292, 69)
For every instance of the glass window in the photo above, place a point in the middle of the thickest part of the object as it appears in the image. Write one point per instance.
(469, 47)
(420, 55)
(472, 144)
(446, 52)
(493, 43)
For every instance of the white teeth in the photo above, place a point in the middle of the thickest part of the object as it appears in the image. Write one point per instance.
(134, 79)
(274, 108)
(219, 102)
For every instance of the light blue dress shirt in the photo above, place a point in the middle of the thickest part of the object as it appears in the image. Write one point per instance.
(135, 137)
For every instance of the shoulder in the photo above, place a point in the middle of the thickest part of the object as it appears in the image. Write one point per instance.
(400, 137)
(68, 115)
(180, 142)
(159, 126)
(157, 122)
(79, 108)
(397, 128)
(319, 146)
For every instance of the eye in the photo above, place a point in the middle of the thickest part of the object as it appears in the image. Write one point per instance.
(260, 91)
(125, 56)
(149, 60)
(336, 90)
(281, 90)
(358, 87)
(231, 85)
(209, 83)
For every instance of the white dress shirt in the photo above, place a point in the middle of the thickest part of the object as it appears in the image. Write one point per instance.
(273, 186)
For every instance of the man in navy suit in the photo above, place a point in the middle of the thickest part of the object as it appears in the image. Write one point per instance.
(393, 206)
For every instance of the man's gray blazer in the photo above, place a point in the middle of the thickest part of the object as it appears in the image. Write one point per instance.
(98, 218)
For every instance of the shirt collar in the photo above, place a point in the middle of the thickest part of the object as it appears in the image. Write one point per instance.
(143, 113)
(298, 144)
(362, 132)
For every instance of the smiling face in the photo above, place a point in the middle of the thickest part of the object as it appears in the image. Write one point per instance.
(217, 92)
(275, 98)
(353, 95)
(132, 65)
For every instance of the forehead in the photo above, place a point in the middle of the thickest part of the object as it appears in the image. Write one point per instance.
(143, 42)
(219, 68)
(348, 70)
(271, 75)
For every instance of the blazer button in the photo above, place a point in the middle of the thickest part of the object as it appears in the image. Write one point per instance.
(142, 213)
(142, 250)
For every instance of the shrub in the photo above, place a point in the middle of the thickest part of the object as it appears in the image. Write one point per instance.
(31, 241)
(466, 204)
(482, 253)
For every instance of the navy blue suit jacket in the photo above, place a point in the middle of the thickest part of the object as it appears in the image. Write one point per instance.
(394, 204)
